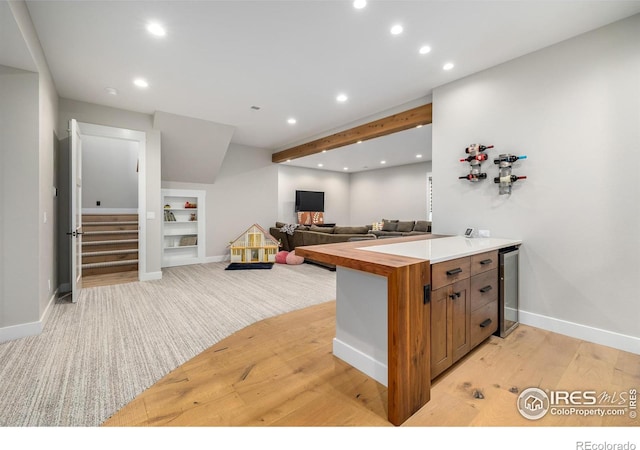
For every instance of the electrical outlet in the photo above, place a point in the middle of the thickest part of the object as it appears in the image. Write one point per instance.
(484, 233)
(97, 202)
(44, 219)
(49, 284)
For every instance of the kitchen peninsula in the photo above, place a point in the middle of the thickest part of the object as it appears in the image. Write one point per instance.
(408, 308)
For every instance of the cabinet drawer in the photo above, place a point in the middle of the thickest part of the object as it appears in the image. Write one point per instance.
(484, 289)
(448, 272)
(484, 262)
(484, 322)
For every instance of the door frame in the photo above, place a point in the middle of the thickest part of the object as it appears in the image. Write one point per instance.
(89, 129)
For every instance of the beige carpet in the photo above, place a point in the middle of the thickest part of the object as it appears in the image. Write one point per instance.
(96, 355)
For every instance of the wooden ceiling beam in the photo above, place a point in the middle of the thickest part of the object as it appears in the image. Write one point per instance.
(381, 127)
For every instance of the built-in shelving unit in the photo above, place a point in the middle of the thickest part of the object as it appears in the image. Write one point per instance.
(183, 231)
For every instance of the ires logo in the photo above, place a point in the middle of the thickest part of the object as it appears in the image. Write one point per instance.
(534, 403)
(573, 398)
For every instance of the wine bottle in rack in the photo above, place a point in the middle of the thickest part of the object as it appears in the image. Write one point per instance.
(474, 177)
(477, 148)
(478, 157)
(508, 179)
(508, 158)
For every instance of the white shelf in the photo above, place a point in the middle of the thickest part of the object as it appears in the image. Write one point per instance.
(174, 254)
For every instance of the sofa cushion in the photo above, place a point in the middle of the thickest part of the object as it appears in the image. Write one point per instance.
(328, 230)
(405, 226)
(280, 224)
(422, 225)
(351, 230)
(385, 233)
(388, 225)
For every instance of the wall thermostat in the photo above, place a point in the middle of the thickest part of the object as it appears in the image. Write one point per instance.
(468, 233)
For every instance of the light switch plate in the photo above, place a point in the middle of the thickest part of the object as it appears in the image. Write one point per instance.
(484, 233)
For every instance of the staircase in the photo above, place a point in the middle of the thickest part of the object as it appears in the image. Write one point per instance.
(109, 243)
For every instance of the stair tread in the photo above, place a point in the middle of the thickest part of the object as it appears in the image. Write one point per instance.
(110, 232)
(119, 241)
(111, 252)
(110, 263)
(128, 222)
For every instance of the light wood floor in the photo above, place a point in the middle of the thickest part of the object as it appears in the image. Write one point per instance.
(281, 372)
(110, 279)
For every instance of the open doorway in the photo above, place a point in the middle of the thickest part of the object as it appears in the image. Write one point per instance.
(113, 205)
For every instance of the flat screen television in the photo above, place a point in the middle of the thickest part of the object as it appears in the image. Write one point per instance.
(309, 201)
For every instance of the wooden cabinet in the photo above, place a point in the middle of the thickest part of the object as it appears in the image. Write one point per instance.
(183, 232)
(464, 307)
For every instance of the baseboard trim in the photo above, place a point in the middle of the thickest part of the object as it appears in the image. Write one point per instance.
(48, 309)
(149, 276)
(218, 258)
(365, 363)
(596, 335)
(23, 330)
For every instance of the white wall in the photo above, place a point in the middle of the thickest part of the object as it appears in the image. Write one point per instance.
(245, 192)
(113, 117)
(334, 185)
(109, 172)
(392, 193)
(574, 109)
(19, 291)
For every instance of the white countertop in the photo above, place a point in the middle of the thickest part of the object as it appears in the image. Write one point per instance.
(443, 249)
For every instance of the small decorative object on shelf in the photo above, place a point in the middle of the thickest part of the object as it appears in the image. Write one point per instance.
(190, 205)
(193, 217)
(506, 178)
(475, 159)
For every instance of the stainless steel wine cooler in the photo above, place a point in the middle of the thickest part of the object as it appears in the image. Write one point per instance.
(508, 290)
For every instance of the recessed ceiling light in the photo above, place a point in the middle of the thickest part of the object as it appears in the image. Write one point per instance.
(345, 168)
(418, 126)
(448, 66)
(324, 151)
(320, 165)
(418, 156)
(288, 160)
(291, 121)
(341, 98)
(359, 142)
(396, 29)
(424, 49)
(141, 82)
(359, 4)
(156, 29)
(383, 162)
(111, 91)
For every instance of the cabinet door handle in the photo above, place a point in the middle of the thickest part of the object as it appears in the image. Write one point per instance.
(455, 295)
(485, 323)
(486, 261)
(426, 294)
(486, 289)
(454, 271)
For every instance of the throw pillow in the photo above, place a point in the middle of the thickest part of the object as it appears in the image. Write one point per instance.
(289, 228)
(389, 226)
(405, 226)
(294, 259)
(281, 257)
(422, 225)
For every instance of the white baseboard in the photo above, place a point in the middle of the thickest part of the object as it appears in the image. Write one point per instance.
(48, 309)
(14, 332)
(149, 276)
(596, 335)
(218, 258)
(364, 363)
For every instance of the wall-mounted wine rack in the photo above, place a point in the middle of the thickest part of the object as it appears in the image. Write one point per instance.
(475, 157)
(506, 178)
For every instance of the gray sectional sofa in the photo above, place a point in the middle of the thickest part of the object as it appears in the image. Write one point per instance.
(314, 235)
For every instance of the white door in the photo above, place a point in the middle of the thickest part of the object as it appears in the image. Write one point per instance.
(76, 210)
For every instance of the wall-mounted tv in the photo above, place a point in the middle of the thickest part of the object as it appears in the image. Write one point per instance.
(309, 201)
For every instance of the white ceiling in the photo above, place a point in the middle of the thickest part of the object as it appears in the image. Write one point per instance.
(291, 58)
